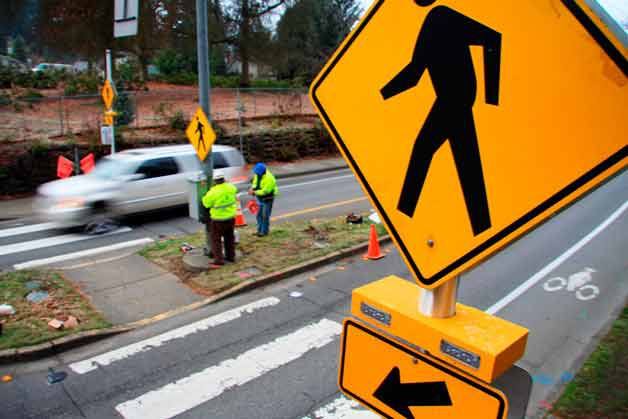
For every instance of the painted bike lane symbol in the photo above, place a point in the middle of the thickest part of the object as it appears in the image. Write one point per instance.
(578, 283)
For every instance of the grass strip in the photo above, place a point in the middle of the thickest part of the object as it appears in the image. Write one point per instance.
(600, 389)
(288, 244)
(29, 325)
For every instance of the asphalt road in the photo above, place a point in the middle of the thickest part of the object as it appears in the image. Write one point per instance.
(323, 194)
(273, 352)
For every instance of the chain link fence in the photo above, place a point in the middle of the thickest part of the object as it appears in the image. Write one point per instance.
(51, 117)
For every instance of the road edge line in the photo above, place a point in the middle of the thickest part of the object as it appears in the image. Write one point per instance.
(534, 279)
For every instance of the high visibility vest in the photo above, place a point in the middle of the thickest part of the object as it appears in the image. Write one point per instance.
(221, 201)
(266, 187)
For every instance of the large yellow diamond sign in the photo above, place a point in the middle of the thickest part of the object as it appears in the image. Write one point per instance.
(200, 134)
(469, 122)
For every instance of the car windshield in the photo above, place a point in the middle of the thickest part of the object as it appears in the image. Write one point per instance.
(108, 168)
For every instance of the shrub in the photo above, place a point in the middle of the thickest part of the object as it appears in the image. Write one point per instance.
(5, 99)
(125, 107)
(287, 153)
(30, 94)
(177, 121)
(171, 62)
(225, 81)
(270, 84)
(82, 84)
(129, 74)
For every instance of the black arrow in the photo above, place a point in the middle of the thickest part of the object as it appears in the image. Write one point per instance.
(400, 397)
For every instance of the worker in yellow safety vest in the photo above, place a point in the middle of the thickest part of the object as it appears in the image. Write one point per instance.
(222, 205)
(264, 188)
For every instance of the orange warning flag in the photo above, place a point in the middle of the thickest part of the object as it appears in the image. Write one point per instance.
(88, 163)
(65, 167)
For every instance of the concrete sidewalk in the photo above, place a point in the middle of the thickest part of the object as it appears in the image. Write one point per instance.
(23, 207)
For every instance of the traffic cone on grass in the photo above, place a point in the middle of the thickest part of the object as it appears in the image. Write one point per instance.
(240, 221)
(373, 252)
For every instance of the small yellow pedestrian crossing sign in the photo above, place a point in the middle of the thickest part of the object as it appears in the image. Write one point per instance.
(108, 94)
(201, 134)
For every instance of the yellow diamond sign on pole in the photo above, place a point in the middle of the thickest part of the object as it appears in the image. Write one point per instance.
(108, 94)
(200, 134)
(470, 122)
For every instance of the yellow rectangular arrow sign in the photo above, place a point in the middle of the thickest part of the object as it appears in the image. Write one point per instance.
(396, 381)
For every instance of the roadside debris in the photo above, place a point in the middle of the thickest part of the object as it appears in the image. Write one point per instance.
(37, 296)
(33, 285)
(55, 324)
(374, 217)
(353, 218)
(70, 323)
(296, 294)
(56, 377)
(6, 310)
(101, 227)
(6, 378)
(186, 247)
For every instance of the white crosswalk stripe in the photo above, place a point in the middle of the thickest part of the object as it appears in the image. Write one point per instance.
(33, 228)
(196, 389)
(83, 253)
(342, 408)
(54, 241)
(119, 354)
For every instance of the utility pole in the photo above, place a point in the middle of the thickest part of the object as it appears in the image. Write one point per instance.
(108, 75)
(204, 92)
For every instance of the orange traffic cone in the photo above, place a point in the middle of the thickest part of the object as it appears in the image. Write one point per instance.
(374, 252)
(240, 221)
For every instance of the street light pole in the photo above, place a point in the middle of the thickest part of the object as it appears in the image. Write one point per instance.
(204, 87)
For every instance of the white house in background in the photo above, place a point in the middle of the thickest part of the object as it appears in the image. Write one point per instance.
(256, 70)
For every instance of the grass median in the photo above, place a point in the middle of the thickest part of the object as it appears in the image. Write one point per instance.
(600, 389)
(288, 244)
(29, 325)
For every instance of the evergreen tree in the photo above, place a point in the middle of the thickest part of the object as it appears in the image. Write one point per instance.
(308, 33)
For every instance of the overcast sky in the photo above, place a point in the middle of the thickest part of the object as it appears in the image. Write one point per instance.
(618, 9)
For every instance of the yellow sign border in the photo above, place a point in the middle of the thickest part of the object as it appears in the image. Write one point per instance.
(613, 164)
(503, 403)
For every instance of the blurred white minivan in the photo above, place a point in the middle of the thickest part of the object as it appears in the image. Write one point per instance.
(132, 181)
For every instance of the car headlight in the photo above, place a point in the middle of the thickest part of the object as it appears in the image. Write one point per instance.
(70, 203)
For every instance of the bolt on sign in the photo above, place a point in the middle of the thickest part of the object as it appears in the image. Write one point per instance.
(403, 383)
(108, 94)
(466, 128)
(200, 134)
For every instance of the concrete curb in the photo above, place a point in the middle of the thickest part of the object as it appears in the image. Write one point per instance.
(311, 172)
(56, 346)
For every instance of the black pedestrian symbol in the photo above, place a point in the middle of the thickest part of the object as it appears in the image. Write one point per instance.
(200, 130)
(443, 49)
